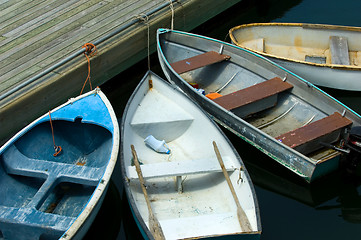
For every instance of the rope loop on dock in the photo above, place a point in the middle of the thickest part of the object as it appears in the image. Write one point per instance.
(90, 50)
(172, 9)
(145, 19)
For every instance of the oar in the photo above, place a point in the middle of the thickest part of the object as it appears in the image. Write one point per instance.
(242, 217)
(154, 224)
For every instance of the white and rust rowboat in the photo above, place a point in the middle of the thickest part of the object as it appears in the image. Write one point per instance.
(268, 106)
(326, 55)
(187, 194)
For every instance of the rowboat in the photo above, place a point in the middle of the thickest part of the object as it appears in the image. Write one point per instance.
(281, 114)
(326, 55)
(187, 182)
(54, 173)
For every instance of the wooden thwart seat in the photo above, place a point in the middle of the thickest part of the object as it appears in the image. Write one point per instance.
(339, 50)
(181, 168)
(18, 164)
(252, 94)
(198, 61)
(324, 130)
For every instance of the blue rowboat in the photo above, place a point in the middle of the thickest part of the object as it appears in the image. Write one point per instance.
(49, 193)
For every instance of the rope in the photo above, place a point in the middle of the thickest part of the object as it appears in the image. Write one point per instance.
(145, 19)
(90, 50)
(172, 9)
(225, 38)
(56, 148)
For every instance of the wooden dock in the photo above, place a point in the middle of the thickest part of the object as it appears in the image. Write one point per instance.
(41, 54)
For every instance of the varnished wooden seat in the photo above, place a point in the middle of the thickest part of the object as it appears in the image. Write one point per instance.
(198, 61)
(255, 98)
(308, 138)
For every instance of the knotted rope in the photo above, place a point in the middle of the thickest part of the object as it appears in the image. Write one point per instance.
(56, 148)
(90, 50)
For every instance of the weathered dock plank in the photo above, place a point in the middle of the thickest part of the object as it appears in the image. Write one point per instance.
(40, 16)
(36, 35)
(18, 11)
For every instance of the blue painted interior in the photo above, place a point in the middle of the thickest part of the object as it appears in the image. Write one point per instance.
(67, 194)
(90, 109)
(20, 188)
(41, 195)
(78, 141)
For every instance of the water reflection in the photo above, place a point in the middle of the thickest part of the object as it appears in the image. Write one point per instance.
(339, 190)
(247, 11)
(348, 199)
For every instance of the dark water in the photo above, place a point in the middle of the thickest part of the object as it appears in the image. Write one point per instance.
(290, 209)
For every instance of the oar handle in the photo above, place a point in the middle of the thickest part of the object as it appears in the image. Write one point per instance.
(140, 176)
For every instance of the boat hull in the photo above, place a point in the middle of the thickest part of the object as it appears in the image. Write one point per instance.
(307, 36)
(57, 196)
(168, 44)
(184, 209)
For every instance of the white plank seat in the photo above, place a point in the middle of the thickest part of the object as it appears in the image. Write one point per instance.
(308, 138)
(339, 50)
(254, 98)
(198, 61)
(181, 168)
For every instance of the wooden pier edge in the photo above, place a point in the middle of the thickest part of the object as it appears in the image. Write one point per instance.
(114, 56)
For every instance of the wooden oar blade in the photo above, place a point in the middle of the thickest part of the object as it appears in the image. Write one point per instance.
(155, 228)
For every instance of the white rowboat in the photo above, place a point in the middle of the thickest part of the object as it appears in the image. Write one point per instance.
(326, 55)
(186, 194)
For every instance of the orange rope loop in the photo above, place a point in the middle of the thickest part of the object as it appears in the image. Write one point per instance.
(56, 148)
(90, 50)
